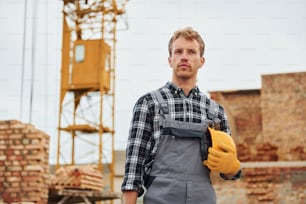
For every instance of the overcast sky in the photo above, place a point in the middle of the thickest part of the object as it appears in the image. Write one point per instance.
(244, 40)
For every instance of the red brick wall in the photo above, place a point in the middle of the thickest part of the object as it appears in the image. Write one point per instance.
(244, 113)
(268, 125)
(283, 99)
(264, 185)
(274, 115)
(24, 167)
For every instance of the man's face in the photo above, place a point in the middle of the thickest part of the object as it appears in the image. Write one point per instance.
(185, 59)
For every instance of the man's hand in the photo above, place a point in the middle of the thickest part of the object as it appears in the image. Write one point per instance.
(223, 159)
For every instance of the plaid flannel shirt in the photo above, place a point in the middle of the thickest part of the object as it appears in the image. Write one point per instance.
(145, 130)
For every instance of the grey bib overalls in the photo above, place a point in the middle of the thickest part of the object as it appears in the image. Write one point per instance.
(178, 172)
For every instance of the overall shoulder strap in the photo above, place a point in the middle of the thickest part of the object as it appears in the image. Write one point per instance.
(213, 113)
(163, 104)
(212, 110)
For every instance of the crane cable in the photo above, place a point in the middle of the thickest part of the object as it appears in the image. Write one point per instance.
(23, 58)
(46, 64)
(33, 57)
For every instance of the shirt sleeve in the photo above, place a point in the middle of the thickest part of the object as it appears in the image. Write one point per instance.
(138, 146)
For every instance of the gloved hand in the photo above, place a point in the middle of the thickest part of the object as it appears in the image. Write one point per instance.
(223, 160)
(222, 156)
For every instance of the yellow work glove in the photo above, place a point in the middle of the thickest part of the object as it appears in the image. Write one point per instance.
(222, 156)
(223, 160)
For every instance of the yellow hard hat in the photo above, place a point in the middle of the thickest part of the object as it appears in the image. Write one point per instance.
(218, 137)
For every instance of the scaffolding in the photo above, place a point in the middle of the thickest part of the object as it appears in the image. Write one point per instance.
(87, 89)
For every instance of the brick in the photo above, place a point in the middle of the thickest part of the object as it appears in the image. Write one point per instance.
(12, 190)
(33, 163)
(23, 162)
(31, 178)
(7, 174)
(38, 157)
(2, 157)
(24, 173)
(23, 184)
(29, 189)
(3, 147)
(17, 125)
(25, 151)
(35, 184)
(25, 141)
(35, 146)
(16, 173)
(35, 141)
(33, 135)
(17, 152)
(14, 158)
(15, 136)
(35, 173)
(4, 126)
(4, 135)
(14, 168)
(8, 152)
(15, 184)
(17, 147)
(7, 163)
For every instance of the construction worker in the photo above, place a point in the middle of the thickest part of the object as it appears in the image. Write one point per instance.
(172, 146)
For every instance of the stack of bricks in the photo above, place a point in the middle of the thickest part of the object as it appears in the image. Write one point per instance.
(87, 177)
(24, 166)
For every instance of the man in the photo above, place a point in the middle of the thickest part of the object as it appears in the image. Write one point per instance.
(170, 132)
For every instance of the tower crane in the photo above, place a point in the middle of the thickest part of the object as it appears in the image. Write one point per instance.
(87, 86)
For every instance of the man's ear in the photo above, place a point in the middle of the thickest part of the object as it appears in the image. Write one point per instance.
(202, 61)
(169, 61)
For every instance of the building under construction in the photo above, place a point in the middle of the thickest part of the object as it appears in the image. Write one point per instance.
(268, 125)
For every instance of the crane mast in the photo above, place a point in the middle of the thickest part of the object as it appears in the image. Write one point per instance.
(87, 87)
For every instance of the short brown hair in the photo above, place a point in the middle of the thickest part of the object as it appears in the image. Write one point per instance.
(189, 34)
